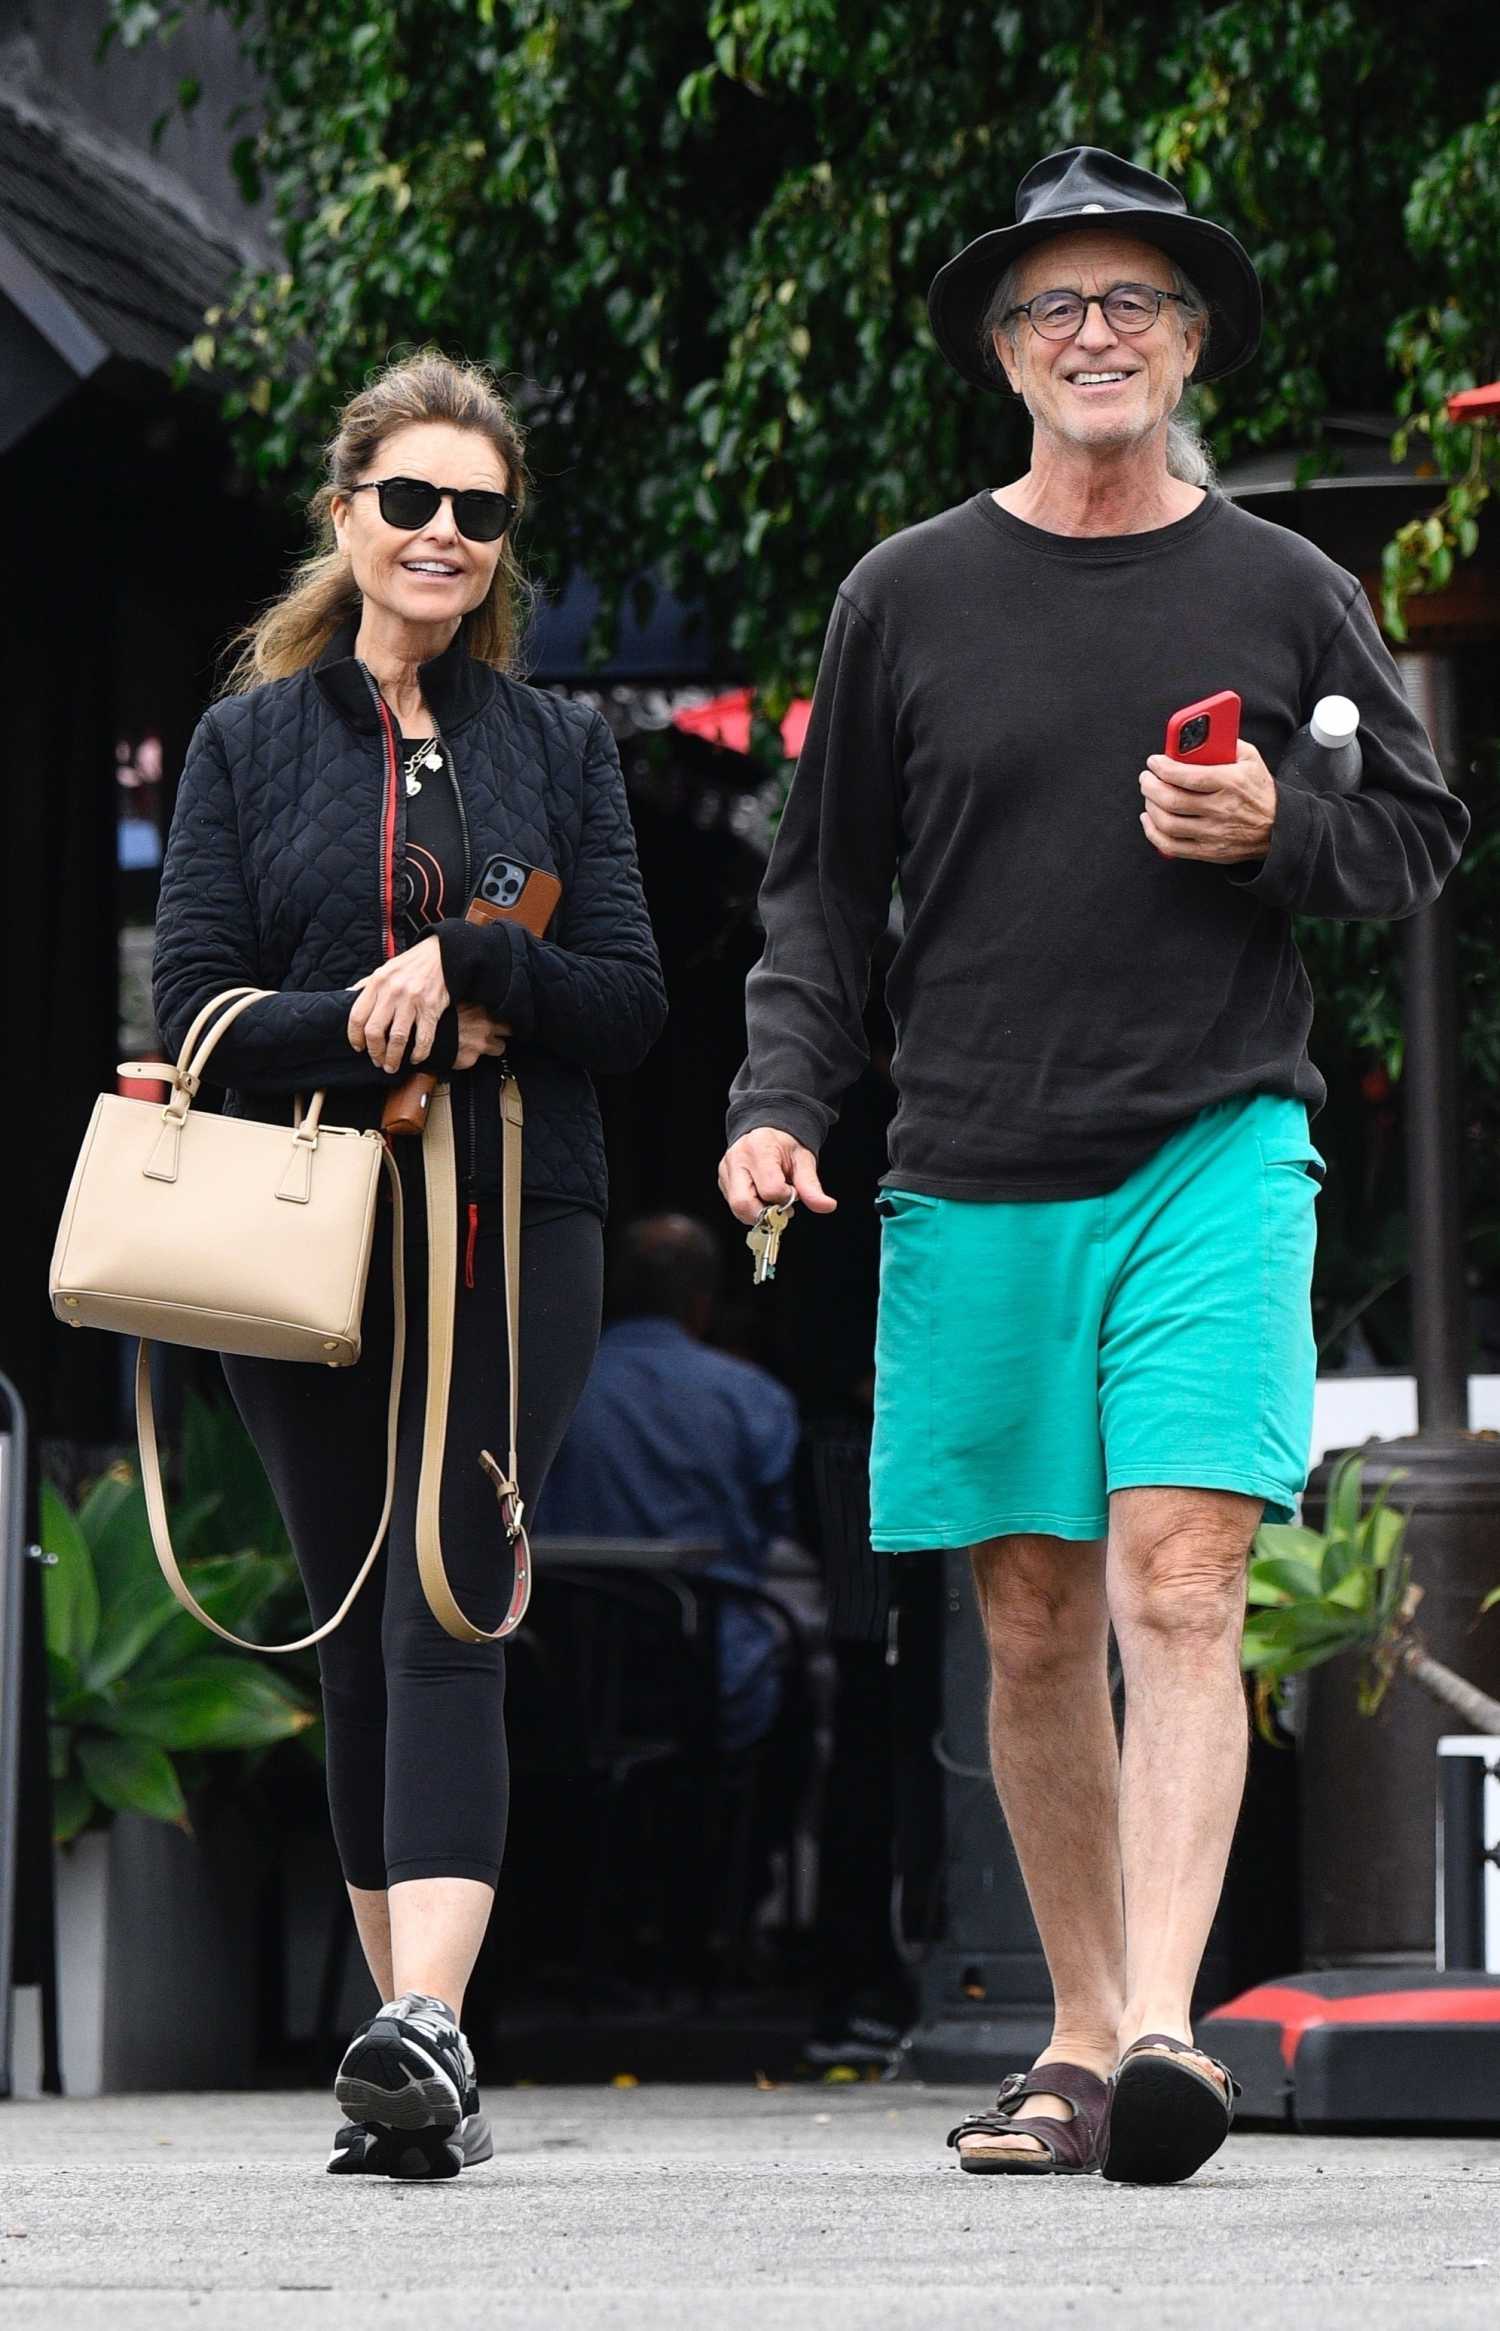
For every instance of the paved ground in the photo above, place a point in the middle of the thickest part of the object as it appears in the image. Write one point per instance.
(716, 2209)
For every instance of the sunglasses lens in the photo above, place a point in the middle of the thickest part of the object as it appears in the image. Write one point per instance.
(481, 515)
(407, 502)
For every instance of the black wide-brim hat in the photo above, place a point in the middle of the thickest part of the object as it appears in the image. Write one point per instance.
(1083, 186)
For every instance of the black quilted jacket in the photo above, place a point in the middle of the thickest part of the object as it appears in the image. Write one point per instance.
(279, 873)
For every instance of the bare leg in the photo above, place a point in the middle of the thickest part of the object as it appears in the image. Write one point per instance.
(1176, 1582)
(1056, 1766)
(437, 1926)
(423, 1934)
(372, 1920)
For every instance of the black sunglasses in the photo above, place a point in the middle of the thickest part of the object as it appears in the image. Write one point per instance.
(480, 513)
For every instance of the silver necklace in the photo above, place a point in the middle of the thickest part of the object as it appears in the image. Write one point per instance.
(428, 755)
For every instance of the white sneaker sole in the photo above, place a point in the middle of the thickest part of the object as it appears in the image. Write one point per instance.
(388, 2079)
(422, 2153)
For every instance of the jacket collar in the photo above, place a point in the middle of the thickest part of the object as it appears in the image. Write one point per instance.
(454, 684)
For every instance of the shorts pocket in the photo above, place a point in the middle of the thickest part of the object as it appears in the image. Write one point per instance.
(1291, 1146)
(1304, 1160)
(891, 1205)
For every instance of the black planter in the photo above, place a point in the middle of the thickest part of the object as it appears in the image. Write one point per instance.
(986, 2002)
(1369, 1782)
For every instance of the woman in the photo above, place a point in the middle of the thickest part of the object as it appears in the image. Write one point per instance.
(372, 751)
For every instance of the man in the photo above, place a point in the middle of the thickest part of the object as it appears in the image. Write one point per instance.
(672, 1439)
(1094, 1360)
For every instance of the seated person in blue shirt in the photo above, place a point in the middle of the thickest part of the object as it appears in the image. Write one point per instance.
(675, 1440)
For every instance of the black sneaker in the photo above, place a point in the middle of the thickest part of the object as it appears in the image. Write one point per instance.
(407, 2084)
(855, 2040)
(360, 2151)
(864, 2029)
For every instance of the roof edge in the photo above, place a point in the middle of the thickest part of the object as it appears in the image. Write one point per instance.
(36, 102)
(48, 313)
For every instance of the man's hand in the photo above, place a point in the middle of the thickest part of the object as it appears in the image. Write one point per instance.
(1222, 812)
(765, 1168)
(409, 992)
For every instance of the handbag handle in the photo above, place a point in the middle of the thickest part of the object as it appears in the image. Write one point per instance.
(186, 1074)
(186, 1078)
(202, 1018)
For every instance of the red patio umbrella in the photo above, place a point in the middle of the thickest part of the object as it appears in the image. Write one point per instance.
(1472, 404)
(725, 720)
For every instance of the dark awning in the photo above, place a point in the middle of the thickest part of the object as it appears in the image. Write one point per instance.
(104, 256)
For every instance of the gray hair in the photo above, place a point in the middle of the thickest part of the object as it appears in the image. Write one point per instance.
(1188, 458)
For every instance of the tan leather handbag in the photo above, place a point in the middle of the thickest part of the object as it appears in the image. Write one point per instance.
(237, 1236)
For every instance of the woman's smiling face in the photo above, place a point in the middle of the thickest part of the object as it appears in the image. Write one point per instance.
(434, 574)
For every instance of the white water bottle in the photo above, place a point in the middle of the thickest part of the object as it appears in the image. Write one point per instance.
(1325, 756)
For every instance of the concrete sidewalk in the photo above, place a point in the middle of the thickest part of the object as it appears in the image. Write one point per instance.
(717, 2209)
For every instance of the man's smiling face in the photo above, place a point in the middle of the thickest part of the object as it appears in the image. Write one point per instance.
(1102, 391)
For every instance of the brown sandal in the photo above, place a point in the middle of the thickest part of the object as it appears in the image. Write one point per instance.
(1166, 2116)
(1070, 2147)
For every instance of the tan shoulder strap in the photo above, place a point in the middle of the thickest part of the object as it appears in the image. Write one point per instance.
(156, 1505)
(440, 1168)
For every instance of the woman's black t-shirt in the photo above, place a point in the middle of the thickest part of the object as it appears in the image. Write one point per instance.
(429, 885)
(430, 881)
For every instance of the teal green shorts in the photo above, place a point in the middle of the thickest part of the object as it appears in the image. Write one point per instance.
(1033, 1357)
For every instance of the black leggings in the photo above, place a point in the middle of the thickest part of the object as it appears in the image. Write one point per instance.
(418, 1782)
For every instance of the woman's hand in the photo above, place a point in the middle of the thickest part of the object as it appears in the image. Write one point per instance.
(407, 993)
(478, 1034)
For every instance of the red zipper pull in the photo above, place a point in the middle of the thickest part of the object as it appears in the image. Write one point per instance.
(469, 1249)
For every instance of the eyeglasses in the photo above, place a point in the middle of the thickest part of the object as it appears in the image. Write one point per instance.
(479, 513)
(1128, 308)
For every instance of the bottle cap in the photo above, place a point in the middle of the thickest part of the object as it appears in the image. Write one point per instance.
(1334, 722)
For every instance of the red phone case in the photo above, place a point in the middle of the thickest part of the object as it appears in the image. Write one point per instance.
(1222, 713)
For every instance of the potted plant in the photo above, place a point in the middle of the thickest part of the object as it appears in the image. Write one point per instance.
(155, 1864)
(1316, 1593)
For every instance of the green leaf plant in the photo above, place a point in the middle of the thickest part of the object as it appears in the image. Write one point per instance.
(1452, 342)
(1315, 1594)
(133, 1689)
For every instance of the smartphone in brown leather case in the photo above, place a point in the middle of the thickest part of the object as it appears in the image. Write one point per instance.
(508, 891)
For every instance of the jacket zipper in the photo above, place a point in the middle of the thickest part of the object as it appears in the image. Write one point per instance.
(450, 770)
(387, 908)
(463, 818)
(388, 830)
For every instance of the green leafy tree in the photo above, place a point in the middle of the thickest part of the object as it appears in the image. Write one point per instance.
(1453, 223)
(699, 233)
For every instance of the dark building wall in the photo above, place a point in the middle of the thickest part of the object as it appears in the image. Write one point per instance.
(141, 556)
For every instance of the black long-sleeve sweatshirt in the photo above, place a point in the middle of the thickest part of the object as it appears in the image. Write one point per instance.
(1064, 997)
